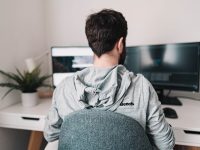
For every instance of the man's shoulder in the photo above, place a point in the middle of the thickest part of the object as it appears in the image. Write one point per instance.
(135, 77)
(141, 78)
(69, 80)
(140, 82)
(138, 78)
(66, 82)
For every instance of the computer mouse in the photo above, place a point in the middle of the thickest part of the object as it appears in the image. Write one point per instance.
(170, 113)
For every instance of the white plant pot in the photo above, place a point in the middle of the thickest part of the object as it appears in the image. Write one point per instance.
(29, 99)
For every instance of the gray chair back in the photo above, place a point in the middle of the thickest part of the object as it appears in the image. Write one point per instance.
(102, 130)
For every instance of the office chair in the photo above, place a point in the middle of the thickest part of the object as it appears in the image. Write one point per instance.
(93, 129)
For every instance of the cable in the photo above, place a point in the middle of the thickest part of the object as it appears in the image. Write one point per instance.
(169, 92)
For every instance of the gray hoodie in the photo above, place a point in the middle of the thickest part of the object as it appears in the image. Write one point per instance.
(113, 89)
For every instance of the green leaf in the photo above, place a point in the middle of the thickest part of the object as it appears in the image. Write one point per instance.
(10, 90)
(10, 85)
(46, 85)
(20, 74)
(42, 79)
(9, 75)
(17, 78)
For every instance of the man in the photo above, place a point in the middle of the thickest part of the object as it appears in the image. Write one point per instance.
(108, 85)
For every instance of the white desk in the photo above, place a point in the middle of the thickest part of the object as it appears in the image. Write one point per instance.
(18, 117)
(188, 119)
(33, 118)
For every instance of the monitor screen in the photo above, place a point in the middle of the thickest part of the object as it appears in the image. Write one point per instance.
(169, 66)
(67, 60)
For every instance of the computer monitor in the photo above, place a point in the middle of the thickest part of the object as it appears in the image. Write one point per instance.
(167, 66)
(67, 60)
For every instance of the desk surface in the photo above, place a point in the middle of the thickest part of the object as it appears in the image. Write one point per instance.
(28, 118)
(188, 115)
(18, 117)
(39, 110)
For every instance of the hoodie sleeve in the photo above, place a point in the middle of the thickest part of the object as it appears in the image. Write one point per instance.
(53, 121)
(159, 131)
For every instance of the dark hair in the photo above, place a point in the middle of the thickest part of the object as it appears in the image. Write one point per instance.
(103, 29)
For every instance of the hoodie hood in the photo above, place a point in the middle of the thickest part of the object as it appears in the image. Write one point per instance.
(102, 88)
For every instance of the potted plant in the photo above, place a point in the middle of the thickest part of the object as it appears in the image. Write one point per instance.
(27, 83)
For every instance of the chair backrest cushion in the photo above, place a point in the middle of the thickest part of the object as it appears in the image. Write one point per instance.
(93, 129)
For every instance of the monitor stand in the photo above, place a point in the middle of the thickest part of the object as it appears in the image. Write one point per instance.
(165, 100)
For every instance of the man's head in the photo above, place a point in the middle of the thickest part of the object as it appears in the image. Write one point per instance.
(104, 29)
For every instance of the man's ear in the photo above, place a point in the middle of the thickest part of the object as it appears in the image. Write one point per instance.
(120, 45)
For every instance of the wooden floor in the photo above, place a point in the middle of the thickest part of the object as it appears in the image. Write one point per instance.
(178, 147)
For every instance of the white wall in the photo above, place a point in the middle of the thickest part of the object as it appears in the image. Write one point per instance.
(22, 35)
(149, 22)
